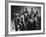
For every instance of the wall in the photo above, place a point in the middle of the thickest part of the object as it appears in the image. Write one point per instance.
(2, 18)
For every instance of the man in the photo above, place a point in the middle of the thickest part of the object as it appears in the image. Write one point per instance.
(25, 15)
(32, 12)
(38, 21)
(31, 23)
(26, 18)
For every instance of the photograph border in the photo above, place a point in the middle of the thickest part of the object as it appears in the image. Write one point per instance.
(6, 17)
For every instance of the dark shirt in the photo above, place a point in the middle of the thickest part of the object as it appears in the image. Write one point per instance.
(26, 19)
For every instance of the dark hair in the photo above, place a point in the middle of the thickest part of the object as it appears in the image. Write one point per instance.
(34, 15)
(36, 12)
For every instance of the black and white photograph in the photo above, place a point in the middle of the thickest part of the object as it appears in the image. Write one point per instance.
(25, 18)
